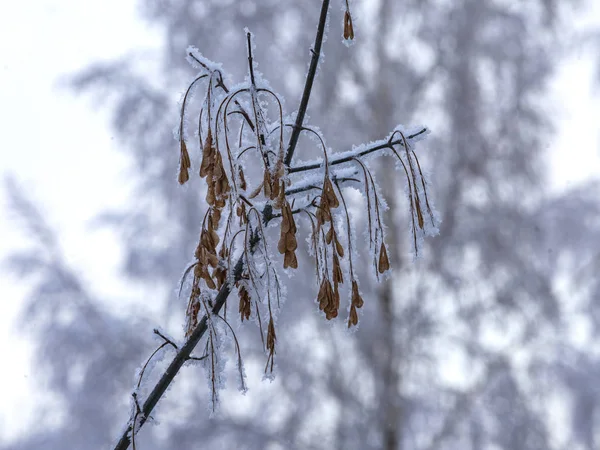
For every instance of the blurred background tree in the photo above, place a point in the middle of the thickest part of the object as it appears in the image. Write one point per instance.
(476, 346)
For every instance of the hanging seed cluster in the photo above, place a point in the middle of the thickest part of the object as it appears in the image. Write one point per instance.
(241, 134)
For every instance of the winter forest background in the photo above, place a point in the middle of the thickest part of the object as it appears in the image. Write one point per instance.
(488, 342)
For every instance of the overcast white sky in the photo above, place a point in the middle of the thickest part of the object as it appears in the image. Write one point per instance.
(63, 152)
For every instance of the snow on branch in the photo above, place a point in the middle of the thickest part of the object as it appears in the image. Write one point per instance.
(238, 140)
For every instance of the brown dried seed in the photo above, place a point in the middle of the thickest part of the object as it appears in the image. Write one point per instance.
(348, 28)
(184, 164)
(220, 274)
(210, 194)
(290, 242)
(198, 270)
(339, 248)
(324, 294)
(329, 194)
(419, 212)
(267, 183)
(212, 259)
(337, 270)
(281, 245)
(209, 281)
(329, 235)
(290, 260)
(192, 316)
(384, 263)
(353, 317)
(285, 223)
(214, 218)
(275, 188)
(208, 155)
(245, 304)
(242, 178)
(280, 201)
(271, 337)
(184, 176)
(356, 298)
(333, 302)
(212, 238)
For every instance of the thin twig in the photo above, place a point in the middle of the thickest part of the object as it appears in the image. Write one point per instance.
(310, 77)
(220, 83)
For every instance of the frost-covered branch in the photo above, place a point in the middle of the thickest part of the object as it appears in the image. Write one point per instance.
(240, 135)
(310, 77)
(361, 151)
(183, 355)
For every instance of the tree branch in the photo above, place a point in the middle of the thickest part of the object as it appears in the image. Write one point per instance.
(186, 350)
(312, 71)
(343, 159)
(180, 358)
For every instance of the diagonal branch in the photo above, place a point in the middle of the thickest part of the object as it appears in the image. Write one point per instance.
(180, 358)
(310, 77)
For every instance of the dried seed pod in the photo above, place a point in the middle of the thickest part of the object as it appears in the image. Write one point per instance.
(210, 195)
(325, 295)
(267, 183)
(419, 212)
(271, 339)
(245, 304)
(220, 274)
(208, 155)
(184, 164)
(329, 194)
(352, 317)
(191, 313)
(290, 260)
(356, 302)
(348, 28)
(331, 311)
(329, 235)
(214, 218)
(221, 183)
(275, 188)
(356, 298)
(288, 244)
(241, 213)
(223, 252)
(337, 270)
(384, 262)
(242, 178)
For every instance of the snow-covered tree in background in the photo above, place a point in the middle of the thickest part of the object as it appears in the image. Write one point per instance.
(446, 352)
